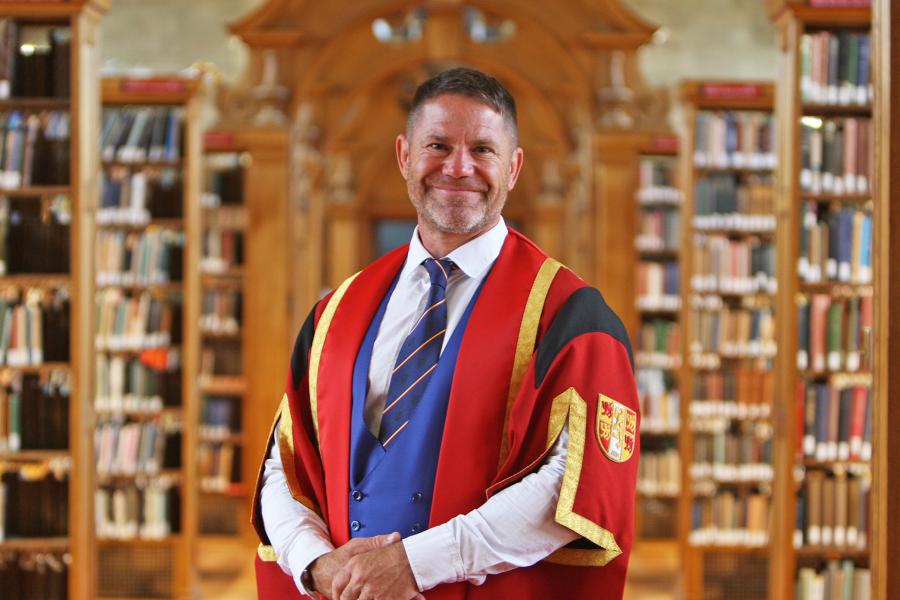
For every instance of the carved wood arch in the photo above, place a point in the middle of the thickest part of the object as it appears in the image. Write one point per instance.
(317, 64)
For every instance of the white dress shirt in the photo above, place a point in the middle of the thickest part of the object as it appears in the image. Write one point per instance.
(514, 528)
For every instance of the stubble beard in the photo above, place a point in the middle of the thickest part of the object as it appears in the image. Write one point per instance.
(459, 220)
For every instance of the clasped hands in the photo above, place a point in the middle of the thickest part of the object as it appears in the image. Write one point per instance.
(374, 568)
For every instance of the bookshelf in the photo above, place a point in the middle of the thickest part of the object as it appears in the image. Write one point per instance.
(658, 340)
(886, 480)
(49, 108)
(222, 386)
(147, 338)
(727, 283)
(826, 298)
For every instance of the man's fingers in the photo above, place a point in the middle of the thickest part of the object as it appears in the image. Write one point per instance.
(380, 541)
(339, 582)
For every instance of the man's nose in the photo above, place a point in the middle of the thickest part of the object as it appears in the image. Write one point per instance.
(459, 163)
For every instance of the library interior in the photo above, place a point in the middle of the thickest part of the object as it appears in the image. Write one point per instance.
(183, 181)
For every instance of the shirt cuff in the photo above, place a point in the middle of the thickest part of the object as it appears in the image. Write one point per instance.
(434, 557)
(300, 557)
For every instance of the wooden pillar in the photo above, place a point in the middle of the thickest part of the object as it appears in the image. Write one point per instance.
(886, 418)
(268, 332)
(615, 183)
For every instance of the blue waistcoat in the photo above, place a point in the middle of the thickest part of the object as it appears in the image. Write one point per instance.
(391, 490)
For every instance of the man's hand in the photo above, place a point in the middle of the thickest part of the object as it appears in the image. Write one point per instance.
(325, 567)
(381, 574)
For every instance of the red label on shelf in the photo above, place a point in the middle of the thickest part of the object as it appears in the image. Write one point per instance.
(154, 86)
(668, 143)
(218, 138)
(731, 90)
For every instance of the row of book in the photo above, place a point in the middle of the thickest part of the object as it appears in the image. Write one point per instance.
(740, 204)
(837, 155)
(728, 266)
(221, 312)
(224, 185)
(656, 181)
(731, 332)
(659, 473)
(142, 134)
(34, 412)
(34, 501)
(833, 511)
(838, 580)
(835, 68)
(154, 256)
(147, 510)
(834, 332)
(222, 250)
(659, 400)
(658, 285)
(34, 148)
(734, 139)
(127, 321)
(736, 393)
(835, 244)
(129, 448)
(34, 60)
(134, 197)
(139, 384)
(220, 417)
(659, 341)
(733, 456)
(218, 466)
(34, 237)
(222, 359)
(34, 326)
(727, 519)
(660, 229)
(837, 421)
(35, 574)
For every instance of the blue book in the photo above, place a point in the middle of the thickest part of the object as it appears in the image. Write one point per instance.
(844, 243)
(862, 90)
(822, 419)
(865, 252)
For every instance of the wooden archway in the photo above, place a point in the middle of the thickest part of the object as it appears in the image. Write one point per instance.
(318, 67)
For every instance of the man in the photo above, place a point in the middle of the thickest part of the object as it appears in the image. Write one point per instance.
(464, 393)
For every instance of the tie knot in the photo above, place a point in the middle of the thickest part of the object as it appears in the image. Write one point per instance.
(439, 270)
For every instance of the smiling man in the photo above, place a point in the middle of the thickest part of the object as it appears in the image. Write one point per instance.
(460, 418)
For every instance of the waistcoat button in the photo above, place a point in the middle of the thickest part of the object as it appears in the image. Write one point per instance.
(355, 525)
(416, 528)
(357, 495)
(417, 497)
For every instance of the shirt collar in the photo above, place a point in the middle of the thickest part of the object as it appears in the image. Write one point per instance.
(473, 258)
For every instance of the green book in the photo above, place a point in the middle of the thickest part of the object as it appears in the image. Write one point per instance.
(14, 437)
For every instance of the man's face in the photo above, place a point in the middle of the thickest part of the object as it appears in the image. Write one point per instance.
(459, 163)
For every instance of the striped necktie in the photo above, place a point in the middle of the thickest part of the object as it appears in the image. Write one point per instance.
(418, 356)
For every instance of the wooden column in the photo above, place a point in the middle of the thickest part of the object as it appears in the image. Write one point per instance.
(268, 332)
(615, 183)
(886, 417)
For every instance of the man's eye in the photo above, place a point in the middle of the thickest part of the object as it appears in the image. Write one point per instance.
(483, 150)
(436, 146)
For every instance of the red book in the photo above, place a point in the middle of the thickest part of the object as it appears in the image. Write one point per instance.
(857, 421)
(818, 329)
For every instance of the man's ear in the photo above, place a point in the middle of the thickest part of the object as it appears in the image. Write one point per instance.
(515, 167)
(402, 148)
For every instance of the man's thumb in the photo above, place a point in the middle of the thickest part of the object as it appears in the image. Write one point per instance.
(380, 541)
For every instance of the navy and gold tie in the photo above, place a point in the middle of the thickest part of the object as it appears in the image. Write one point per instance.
(418, 356)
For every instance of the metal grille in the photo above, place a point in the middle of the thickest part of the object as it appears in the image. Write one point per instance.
(734, 576)
(130, 572)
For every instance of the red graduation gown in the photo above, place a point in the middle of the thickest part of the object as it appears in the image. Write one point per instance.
(541, 349)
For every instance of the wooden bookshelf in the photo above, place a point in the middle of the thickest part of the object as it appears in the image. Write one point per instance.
(160, 554)
(714, 366)
(800, 546)
(222, 386)
(886, 484)
(658, 349)
(75, 93)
